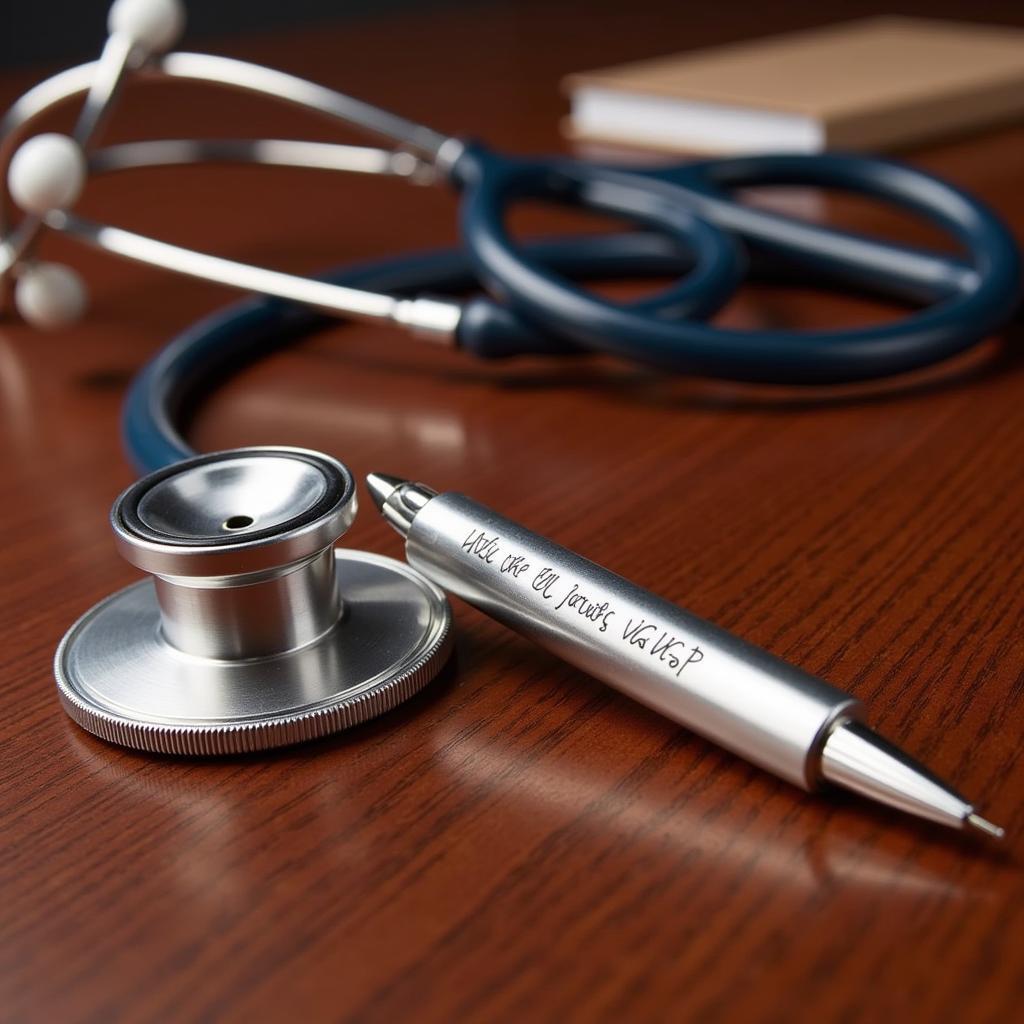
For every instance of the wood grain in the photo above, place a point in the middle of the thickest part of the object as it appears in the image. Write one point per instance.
(520, 843)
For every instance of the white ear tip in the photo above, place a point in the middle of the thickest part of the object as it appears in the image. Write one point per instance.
(47, 173)
(152, 25)
(49, 295)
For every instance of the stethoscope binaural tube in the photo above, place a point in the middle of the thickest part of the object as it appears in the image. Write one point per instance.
(424, 156)
(538, 308)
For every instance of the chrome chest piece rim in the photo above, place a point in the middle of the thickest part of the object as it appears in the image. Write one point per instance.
(253, 632)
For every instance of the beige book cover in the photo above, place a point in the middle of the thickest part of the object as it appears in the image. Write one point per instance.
(877, 83)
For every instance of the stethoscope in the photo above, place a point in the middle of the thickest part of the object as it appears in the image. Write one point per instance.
(254, 630)
(690, 227)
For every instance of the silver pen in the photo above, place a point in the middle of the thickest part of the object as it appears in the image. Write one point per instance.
(733, 693)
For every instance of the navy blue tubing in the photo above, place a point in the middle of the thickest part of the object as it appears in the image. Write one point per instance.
(690, 205)
(970, 297)
(218, 345)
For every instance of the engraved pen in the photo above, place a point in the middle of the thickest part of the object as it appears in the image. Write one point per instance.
(761, 708)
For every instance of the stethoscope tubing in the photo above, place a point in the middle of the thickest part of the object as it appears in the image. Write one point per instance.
(180, 374)
(970, 296)
(184, 369)
(692, 205)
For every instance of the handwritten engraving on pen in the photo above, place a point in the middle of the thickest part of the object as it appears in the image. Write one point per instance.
(670, 650)
(596, 612)
(545, 581)
(481, 546)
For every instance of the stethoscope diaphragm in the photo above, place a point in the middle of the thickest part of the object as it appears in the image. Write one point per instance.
(254, 631)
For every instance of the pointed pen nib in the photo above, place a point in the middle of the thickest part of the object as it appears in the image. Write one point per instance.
(982, 825)
(398, 501)
(381, 487)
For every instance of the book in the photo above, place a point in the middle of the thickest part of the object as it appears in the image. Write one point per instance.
(875, 83)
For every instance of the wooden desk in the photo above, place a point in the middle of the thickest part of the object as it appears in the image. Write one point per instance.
(518, 843)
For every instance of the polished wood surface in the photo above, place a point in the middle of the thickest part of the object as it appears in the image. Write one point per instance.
(519, 843)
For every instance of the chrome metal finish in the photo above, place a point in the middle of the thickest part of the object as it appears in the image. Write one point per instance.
(267, 613)
(44, 95)
(331, 298)
(318, 156)
(115, 61)
(417, 151)
(429, 319)
(397, 500)
(18, 243)
(741, 697)
(447, 155)
(104, 82)
(203, 67)
(240, 545)
(119, 680)
(26, 109)
(78, 80)
(254, 631)
(689, 670)
(199, 504)
(856, 758)
(984, 826)
(234, 513)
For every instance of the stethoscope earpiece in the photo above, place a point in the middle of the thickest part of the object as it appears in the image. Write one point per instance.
(253, 632)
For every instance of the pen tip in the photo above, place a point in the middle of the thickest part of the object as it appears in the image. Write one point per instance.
(381, 487)
(983, 825)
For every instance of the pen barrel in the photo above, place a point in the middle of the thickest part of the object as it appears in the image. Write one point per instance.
(760, 707)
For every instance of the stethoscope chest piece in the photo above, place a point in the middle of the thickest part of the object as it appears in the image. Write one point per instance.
(254, 631)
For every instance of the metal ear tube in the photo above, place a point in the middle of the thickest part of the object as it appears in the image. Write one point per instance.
(254, 631)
